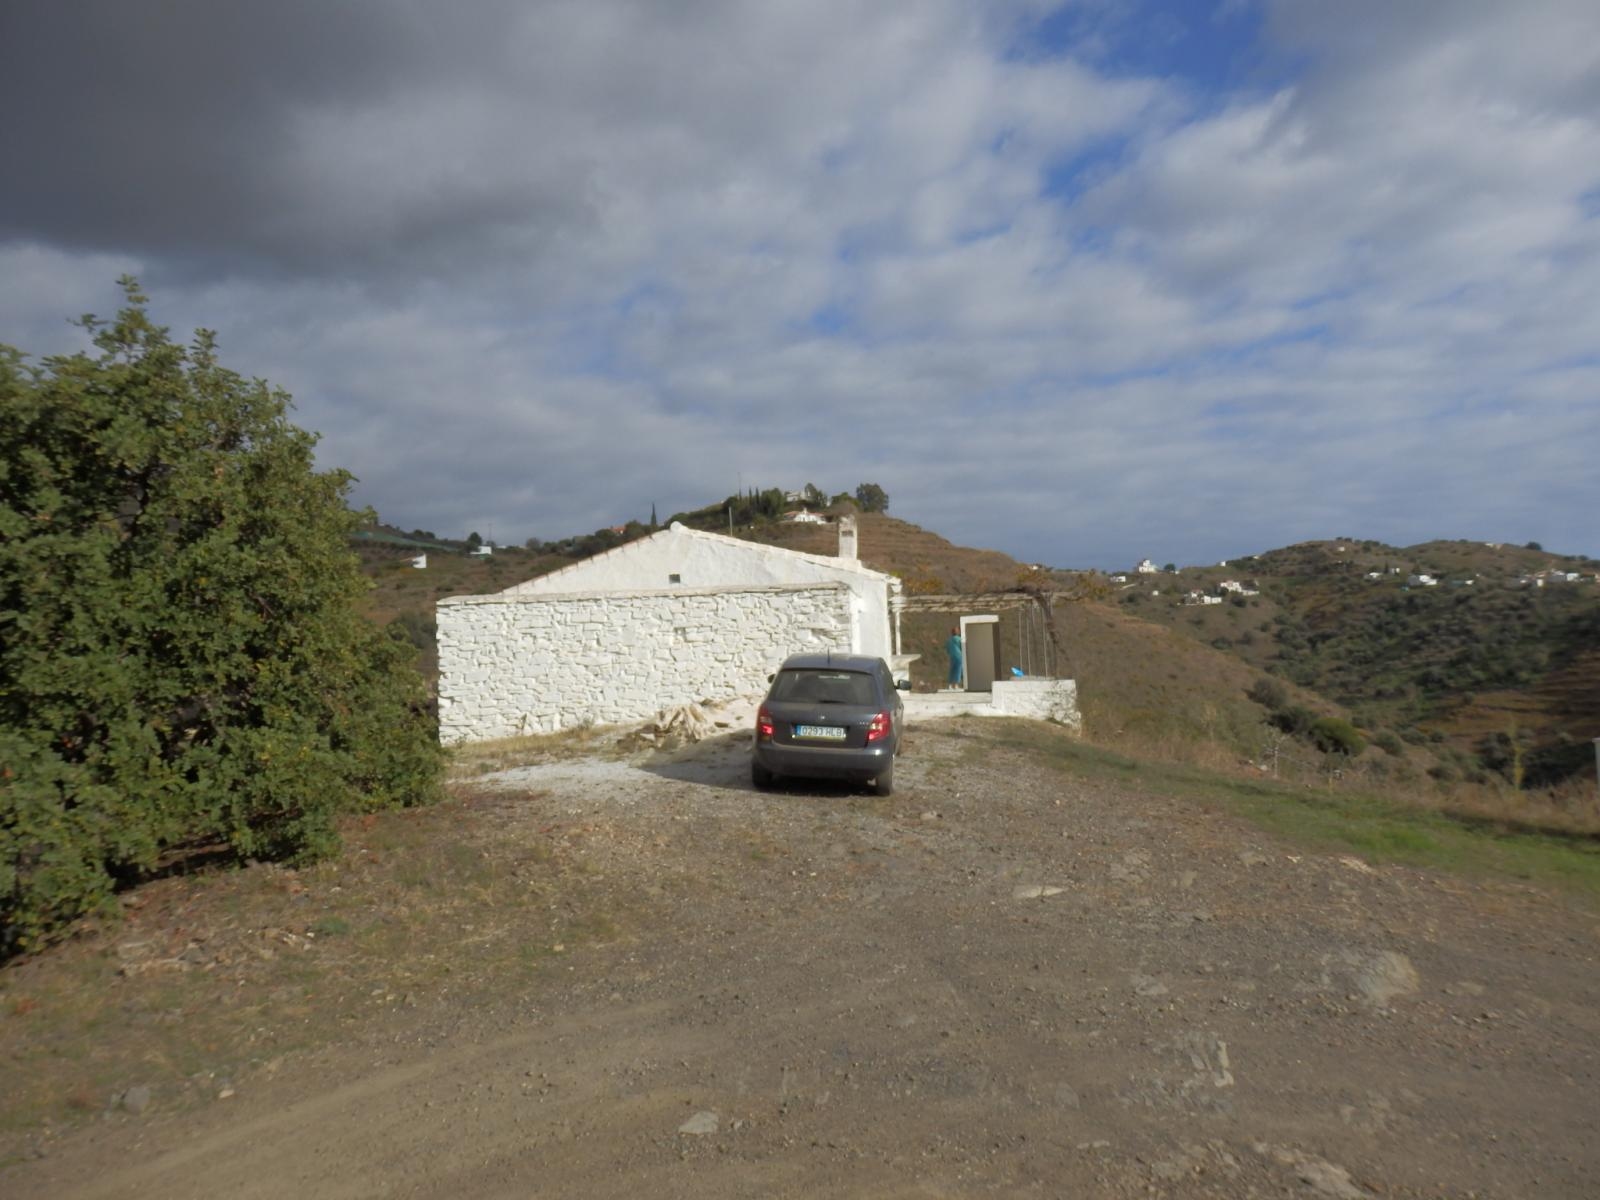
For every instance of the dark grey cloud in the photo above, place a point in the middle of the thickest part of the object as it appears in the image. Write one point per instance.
(231, 136)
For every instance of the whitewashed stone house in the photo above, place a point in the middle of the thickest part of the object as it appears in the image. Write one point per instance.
(677, 617)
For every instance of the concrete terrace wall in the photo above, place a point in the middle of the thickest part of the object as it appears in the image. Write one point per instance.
(514, 663)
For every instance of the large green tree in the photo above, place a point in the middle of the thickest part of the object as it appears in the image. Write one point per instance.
(182, 663)
(872, 498)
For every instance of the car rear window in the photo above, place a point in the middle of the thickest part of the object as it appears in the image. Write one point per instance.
(813, 686)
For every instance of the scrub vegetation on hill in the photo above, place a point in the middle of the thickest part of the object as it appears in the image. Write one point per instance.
(1499, 673)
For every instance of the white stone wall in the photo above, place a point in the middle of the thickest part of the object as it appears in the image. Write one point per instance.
(1041, 699)
(703, 560)
(511, 663)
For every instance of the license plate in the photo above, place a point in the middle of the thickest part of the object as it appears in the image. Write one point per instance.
(826, 733)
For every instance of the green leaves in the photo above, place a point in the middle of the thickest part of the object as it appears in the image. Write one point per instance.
(181, 661)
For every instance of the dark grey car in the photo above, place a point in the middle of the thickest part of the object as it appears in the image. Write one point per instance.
(829, 716)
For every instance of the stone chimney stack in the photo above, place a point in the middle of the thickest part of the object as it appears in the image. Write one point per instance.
(847, 538)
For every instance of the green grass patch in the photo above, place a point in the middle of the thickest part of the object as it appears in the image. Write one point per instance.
(1378, 828)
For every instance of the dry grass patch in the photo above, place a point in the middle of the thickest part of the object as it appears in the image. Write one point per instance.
(215, 977)
(475, 759)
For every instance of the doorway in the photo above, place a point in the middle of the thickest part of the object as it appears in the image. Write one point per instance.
(980, 639)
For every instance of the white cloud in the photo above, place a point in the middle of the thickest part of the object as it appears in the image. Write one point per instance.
(533, 268)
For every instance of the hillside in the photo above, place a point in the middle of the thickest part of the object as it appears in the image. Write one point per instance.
(1505, 674)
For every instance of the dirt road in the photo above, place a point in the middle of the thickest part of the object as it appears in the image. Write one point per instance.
(1001, 981)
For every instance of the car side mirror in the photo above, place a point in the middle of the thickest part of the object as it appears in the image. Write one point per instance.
(770, 678)
(902, 685)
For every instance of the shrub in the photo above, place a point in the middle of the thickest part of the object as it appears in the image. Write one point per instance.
(1389, 742)
(1335, 735)
(421, 629)
(1269, 693)
(1294, 719)
(181, 660)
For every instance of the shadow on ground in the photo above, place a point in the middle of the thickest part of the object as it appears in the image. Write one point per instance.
(724, 762)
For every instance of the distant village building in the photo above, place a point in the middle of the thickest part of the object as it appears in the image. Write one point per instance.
(801, 517)
(484, 550)
(1197, 597)
(1540, 578)
(1238, 588)
(1145, 567)
(420, 562)
(1422, 580)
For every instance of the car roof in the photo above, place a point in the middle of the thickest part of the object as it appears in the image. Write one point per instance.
(837, 662)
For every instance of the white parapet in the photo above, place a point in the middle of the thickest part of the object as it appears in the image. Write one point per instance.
(1040, 699)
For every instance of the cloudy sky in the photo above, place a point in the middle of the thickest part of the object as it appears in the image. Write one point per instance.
(1084, 282)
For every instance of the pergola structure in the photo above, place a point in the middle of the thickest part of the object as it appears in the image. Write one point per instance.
(1037, 641)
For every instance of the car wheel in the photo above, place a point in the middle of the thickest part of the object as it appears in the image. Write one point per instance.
(760, 776)
(883, 785)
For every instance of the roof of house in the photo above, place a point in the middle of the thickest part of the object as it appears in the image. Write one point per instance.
(678, 529)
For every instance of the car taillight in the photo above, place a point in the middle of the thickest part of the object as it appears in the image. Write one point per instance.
(763, 722)
(879, 727)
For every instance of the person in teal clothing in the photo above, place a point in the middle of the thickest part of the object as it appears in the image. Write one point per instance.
(952, 647)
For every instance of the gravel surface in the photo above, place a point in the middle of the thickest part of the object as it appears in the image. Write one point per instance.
(1002, 980)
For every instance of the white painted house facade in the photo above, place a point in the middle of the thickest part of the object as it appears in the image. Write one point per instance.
(677, 617)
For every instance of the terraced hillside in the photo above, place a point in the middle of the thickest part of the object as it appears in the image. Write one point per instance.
(1506, 673)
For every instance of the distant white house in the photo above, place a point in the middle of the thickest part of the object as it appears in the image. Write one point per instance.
(483, 550)
(1197, 597)
(1422, 580)
(1238, 588)
(1374, 574)
(420, 562)
(1145, 567)
(801, 517)
(1119, 579)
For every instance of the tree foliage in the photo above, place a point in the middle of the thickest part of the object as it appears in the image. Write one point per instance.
(182, 665)
(872, 498)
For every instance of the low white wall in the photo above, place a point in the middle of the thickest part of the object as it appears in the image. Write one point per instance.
(512, 664)
(1041, 699)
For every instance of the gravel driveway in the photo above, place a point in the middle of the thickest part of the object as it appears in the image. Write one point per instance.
(1001, 981)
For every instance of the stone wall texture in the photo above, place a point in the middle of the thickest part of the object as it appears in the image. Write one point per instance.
(1040, 699)
(513, 664)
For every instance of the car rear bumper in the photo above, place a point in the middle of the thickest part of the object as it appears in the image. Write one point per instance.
(823, 762)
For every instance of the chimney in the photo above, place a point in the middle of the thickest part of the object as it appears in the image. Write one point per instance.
(847, 538)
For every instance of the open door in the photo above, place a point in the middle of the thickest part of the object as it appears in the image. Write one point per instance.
(980, 636)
